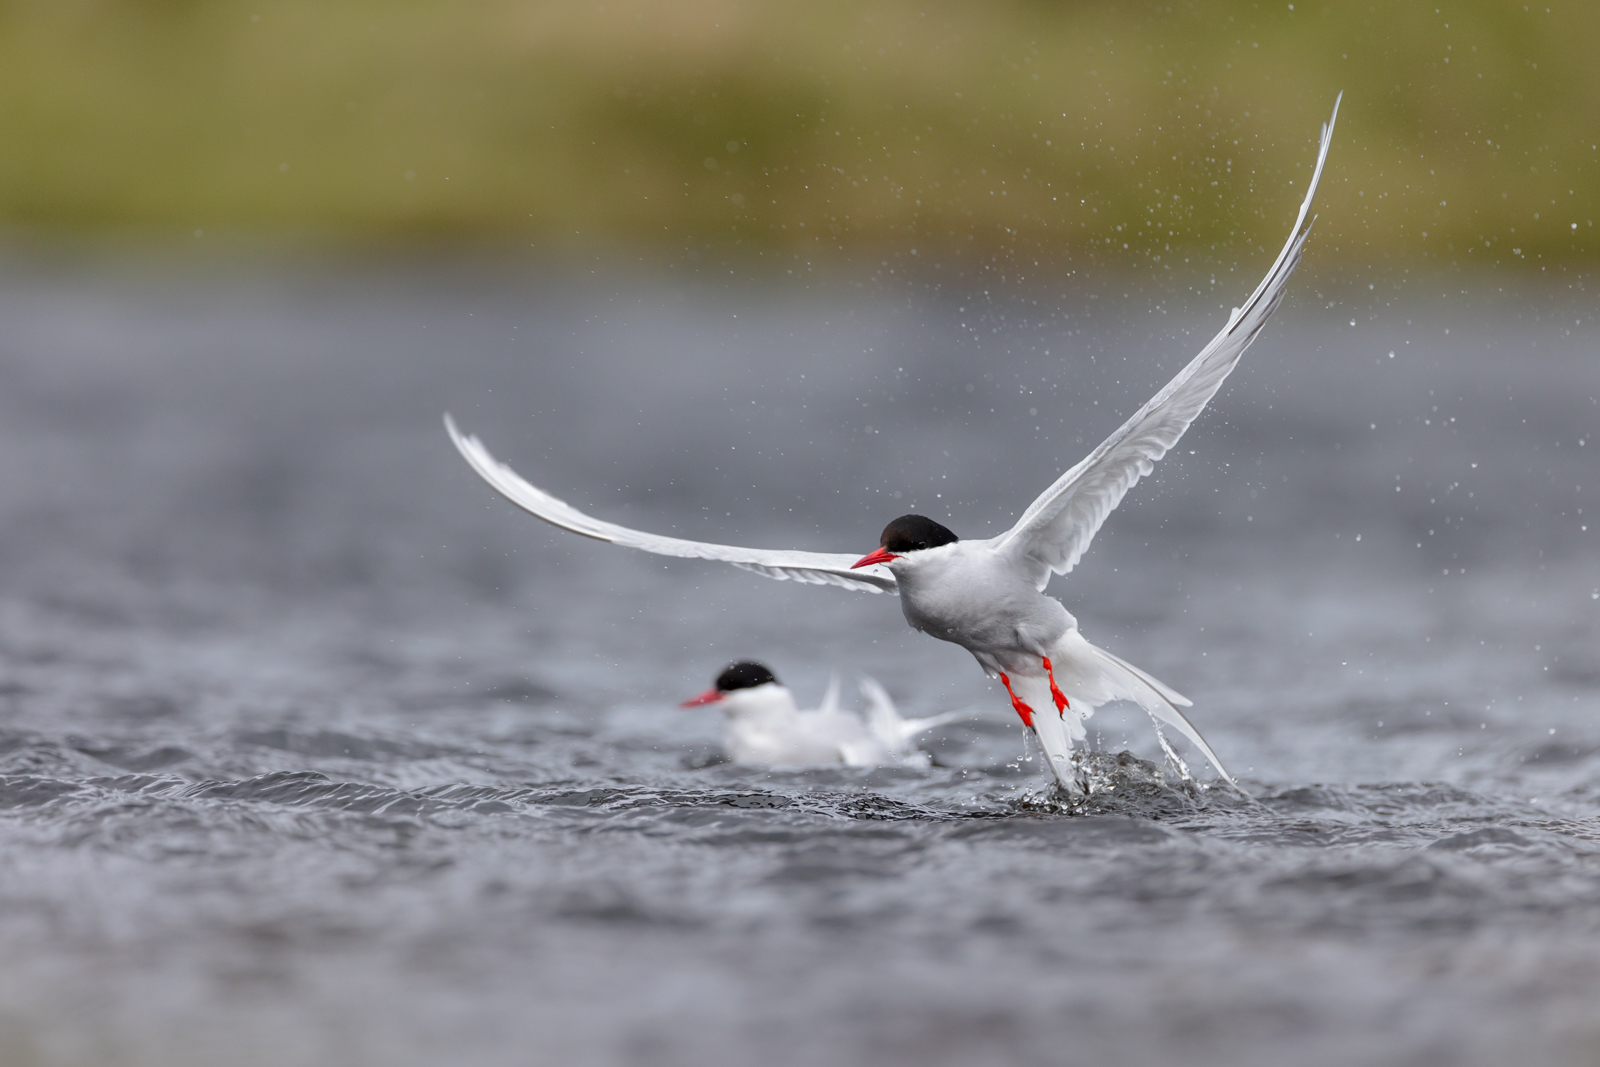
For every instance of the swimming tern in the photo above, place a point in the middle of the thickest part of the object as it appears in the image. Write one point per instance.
(988, 595)
(765, 727)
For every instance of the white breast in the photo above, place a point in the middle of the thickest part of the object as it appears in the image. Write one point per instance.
(969, 594)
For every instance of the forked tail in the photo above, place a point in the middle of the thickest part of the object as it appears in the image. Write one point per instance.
(886, 722)
(1161, 702)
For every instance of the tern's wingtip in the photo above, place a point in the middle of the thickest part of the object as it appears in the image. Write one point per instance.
(465, 443)
(461, 440)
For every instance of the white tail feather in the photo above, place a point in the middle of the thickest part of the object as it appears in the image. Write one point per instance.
(1157, 699)
(886, 723)
(830, 696)
(910, 728)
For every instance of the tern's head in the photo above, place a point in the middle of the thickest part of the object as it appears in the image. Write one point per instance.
(736, 679)
(905, 536)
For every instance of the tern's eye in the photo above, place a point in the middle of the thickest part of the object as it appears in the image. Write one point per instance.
(914, 533)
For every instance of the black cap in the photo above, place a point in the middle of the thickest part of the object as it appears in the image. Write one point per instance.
(746, 674)
(909, 533)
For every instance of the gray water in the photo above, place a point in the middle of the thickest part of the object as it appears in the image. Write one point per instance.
(314, 752)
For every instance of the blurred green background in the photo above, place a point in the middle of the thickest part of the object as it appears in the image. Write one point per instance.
(1470, 131)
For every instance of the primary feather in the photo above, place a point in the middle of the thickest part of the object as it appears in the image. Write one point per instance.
(813, 568)
(1055, 530)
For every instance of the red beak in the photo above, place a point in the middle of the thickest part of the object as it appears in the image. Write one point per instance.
(882, 555)
(710, 696)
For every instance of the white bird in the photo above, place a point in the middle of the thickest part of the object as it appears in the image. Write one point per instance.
(766, 729)
(988, 596)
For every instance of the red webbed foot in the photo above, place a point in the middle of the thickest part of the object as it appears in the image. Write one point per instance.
(1055, 694)
(1017, 705)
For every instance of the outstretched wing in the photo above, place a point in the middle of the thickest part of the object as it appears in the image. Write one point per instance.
(1056, 529)
(813, 568)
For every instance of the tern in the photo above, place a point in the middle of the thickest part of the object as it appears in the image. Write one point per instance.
(988, 595)
(765, 728)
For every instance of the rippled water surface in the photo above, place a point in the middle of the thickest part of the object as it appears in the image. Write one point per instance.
(312, 752)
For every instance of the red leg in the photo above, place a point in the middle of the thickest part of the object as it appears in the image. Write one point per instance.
(1055, 694)
(1016, 705)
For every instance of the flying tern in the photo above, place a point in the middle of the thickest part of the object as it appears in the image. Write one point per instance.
(765, 728)
(988, 595)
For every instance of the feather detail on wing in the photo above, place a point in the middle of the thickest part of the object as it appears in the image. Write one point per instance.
(812, 568)
(1055, 531)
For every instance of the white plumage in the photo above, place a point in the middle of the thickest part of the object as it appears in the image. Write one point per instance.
(766, 728)
(987, 596)
(812, 568)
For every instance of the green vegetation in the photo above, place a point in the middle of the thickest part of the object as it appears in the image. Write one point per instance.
(1469, 133)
